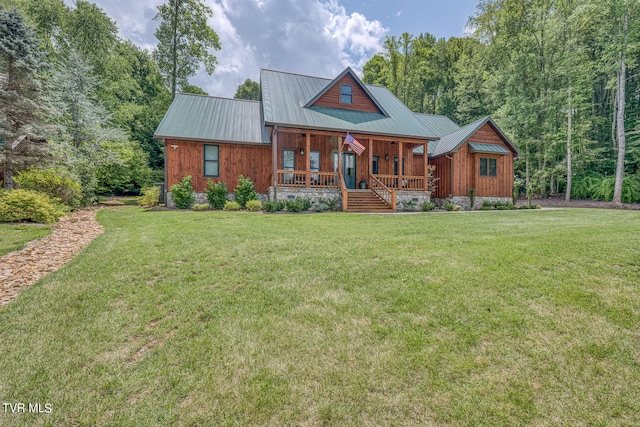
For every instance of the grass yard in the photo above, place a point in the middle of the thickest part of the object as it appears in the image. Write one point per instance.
(14, 237)
(214, 318)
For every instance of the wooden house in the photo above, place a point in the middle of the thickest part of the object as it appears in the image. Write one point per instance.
(292, 143)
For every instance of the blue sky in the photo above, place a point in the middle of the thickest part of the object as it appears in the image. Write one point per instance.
(313, 37)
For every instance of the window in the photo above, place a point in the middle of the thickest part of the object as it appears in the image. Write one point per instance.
(374, 167)
(335, 161)
(488, 167)
(395, 165)
(315, 161)
(212, 160)
(346, 94)
(288, 160)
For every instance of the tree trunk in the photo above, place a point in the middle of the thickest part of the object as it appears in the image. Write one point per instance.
(567, 195)
(174, 48)
(622, 75)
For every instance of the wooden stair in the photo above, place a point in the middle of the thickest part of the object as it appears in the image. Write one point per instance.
(366, 201)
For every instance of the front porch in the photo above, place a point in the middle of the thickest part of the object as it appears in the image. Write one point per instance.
(314, 164)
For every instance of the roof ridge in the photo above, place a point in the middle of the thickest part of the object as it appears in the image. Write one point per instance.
(220, 97)
(295, 74)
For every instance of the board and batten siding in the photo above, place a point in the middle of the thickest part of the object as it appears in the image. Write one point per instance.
(252, 161)
(361, 101)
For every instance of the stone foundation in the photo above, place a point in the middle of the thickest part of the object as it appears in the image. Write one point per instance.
(413, 200)
(465, 203)
(314, 194)
(202, 198)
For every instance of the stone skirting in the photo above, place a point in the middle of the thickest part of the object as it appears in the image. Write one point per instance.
(465, 203)
(290, 193)
(408, 200)
(202, 198)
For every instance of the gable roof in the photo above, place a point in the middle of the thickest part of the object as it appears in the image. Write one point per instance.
(451, 142)
(438, 126)
(207, 118)
(356, 79)
(285, 97)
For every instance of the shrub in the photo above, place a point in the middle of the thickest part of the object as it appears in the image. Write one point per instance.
(28, 205)
(320, 207)
(298, 204)
(273, 206)
(182, 193)
(150, 196)
(427, 206)
(231, 206)
(408, 206)
(216, 194)
(332, 203)
(245, 191)
(450, 206)
(254, 205)
(472, 197)
(55, 184)
(200, 207)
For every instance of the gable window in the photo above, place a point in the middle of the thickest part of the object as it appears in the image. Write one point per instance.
(346, 94)
(374, 167)
(488, 167)
(212, 160)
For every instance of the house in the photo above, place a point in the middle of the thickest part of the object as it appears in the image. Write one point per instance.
(297, 142)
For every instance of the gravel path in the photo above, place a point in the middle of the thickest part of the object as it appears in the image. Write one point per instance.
(69, 236)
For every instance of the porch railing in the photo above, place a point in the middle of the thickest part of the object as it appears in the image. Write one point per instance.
(298, 178)
(384, 192)
(343, 191)
(407, 182)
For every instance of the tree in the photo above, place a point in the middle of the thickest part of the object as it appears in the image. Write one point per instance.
(184, 41)
(620, 104)
(23, 101)
(248, 90)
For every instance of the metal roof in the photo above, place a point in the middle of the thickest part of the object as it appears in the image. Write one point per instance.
(285, 95)
(477, 147)
(438, 126)
(206, 118)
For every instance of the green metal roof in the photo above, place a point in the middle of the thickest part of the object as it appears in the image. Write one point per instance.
(438, 126)
(488, 148)
(205, 118)
(285, 95)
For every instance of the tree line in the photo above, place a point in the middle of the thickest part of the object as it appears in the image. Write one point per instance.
(561, 77)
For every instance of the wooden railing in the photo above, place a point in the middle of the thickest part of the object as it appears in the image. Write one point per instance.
(386, 194)
(343, 191)
(408, 182)
(298, 178)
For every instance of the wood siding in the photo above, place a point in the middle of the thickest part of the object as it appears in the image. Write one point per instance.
(466, 169)
(361, 101)
(235, 160)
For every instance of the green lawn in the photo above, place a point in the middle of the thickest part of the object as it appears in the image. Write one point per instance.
(202, 318)
(14, 237)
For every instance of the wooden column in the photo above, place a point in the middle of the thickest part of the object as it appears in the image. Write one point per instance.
(307, 150)
(370, 159)
(426, 166)
(274, 147)
(400, 165)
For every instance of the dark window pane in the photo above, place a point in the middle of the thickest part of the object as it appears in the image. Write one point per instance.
(346, 94)
(375, 165)
(212, 160)
(492, 167)
(288, 159)
(483, 167)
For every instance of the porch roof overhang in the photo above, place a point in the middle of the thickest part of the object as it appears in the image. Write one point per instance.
(476, 147)
(284, 127)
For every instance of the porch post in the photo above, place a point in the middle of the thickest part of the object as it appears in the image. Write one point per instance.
(426, 166)
(370, 158)
(308, 160)
(274, 149)
(400, 163)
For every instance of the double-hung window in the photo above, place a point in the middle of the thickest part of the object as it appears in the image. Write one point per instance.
(288, 163)
(488, 167)
(212, 160)
(346, 94)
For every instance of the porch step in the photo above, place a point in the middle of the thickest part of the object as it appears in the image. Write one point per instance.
(366, 201)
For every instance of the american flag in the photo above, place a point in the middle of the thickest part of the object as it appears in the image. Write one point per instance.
(355, 145)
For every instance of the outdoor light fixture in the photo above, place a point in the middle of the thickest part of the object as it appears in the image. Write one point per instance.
(175, 147)
(386, 157)
(301, 151)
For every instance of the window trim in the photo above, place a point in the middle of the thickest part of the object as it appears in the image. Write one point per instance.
(375, 165)
(488, 161)
(205, 160)
(343, 94)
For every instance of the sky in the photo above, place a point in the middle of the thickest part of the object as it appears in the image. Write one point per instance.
(313, 37)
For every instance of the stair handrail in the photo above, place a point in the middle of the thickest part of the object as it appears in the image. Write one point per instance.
(343, 190)
(385, 193)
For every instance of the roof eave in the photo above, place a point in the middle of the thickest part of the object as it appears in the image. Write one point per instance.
(326, 129)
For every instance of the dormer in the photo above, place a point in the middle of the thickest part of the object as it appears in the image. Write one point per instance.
(347, 92)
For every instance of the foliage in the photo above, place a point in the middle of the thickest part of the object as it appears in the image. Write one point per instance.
(333, 203)
(216, 194)
(248, 90)
(599, 187)
(449, 206)
(231, 205)
(427, 206)
(184, 41)
(299, 204)
(150, 196)
(123, 167)
(28, 206)
(56, 184)
(408, 205)
(200, 207)
(273, 206)
(182, 193)
(472, 197)
(244, 191)
(254, 205)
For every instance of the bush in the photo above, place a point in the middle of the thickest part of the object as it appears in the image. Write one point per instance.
(231, 206)
(182, 193)
(298, 205)
(55, 184)
(332, 203)
(450, 206)
(254, 205)
(273, 206)
(150, 196)
(200, 207)
(216, 194)
(28, 205)
(408, 206)
(320, 207)
(472, 197)
(244, 191)
(427, 206)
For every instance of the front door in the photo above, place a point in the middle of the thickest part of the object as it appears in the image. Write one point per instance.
(349, 170)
